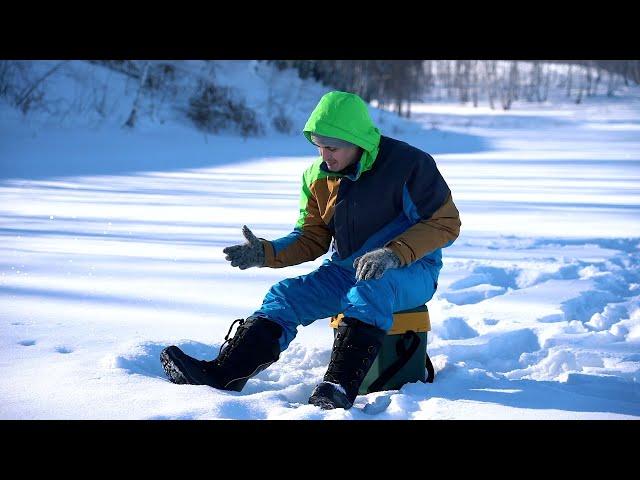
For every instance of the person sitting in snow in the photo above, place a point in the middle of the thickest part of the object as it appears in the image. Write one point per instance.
(389, 212)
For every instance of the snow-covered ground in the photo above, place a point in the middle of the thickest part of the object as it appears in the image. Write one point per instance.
(111, 250)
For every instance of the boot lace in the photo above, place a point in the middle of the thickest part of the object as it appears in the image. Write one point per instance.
(349, 361)
(223, 353)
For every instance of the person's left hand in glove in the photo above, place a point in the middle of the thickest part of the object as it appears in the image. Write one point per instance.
(372, 265)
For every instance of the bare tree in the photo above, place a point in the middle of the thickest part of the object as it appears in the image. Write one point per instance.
(491, 80)
(569, 80)
(634, 70)
(598, 78)
(514, 80)
(465, 81)
(23, 98)
(510, 86)
(438, 79)
(136, 102)
(542, 92)
(474, 82)
(580, 90)
(611, 86)
(529, 89)
(589, 78)
(448, 78)
(429, 79)
(458, 80)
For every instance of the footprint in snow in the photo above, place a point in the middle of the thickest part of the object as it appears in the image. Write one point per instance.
(379, 405)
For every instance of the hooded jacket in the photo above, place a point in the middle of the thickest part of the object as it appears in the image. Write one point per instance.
(393, 196)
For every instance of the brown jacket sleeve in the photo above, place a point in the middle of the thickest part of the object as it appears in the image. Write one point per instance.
(304, 244)
(438, 231)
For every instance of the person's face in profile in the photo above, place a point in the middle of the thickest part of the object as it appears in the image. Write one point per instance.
(338, 158)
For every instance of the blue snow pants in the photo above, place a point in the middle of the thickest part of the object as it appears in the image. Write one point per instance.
(333, 289)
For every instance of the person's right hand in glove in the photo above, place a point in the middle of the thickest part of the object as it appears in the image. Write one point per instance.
(249, 254)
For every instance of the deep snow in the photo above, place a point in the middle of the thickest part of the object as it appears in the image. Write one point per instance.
(111, 250)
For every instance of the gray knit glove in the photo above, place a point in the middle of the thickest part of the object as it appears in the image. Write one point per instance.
(249, 254)
(373, 264)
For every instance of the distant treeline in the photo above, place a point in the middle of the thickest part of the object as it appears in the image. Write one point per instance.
(396, 83)
(192, 87)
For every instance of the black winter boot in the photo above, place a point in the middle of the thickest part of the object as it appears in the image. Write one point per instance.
(355, 347)
(254, 347)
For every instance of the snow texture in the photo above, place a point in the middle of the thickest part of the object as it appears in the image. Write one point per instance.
(112, 249)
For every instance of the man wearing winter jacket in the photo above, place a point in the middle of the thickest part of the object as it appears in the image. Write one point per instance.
(389, 213)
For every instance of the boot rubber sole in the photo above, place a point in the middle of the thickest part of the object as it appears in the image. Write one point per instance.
(322, 402)
(171, 366)
(327, 397)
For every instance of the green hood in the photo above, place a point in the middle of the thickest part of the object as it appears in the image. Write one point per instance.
(346, 116)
